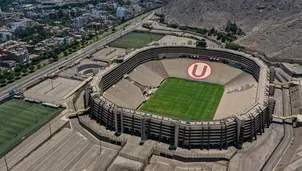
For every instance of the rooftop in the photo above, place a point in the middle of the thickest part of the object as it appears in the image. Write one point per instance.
(294, 68)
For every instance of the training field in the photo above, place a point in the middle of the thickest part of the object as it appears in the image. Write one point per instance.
(186, 100)
(136, 40)
(19, 118)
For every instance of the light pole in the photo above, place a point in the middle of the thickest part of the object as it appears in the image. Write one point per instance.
(36, 116)
(6, 163)
(100, 146)
(49, 128)
(51, 83)
(15, 129)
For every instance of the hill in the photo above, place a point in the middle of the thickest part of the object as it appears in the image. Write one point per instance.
(271, 26)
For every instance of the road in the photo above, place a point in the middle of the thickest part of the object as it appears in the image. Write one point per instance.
(277, 155)
(22, 83)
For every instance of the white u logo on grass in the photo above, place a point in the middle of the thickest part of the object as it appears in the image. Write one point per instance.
(199, 70)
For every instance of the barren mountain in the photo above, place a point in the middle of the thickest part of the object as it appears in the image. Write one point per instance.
(272, 26)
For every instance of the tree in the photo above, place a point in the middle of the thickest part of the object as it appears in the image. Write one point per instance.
(55, 58)
(2, 81)
(38, 66)
(218, 37)
(127, 3)
(91, 35)
(57, 51)
(36, 60)
(113, 29)
(11, 76)
(65, 52)
(33, 34)
(183, 27)
(212, 31)
(173, 25)
(5, 73)
(63, 47)
(162, 19)
(17, 74)
(120, 2)
(17, 69)
(240, 32)
(31, 67)
(24, 70)
(234, 46)
(233, 28)
(201, 43)
(202, 31)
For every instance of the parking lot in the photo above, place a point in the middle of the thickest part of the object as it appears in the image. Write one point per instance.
(52, 90)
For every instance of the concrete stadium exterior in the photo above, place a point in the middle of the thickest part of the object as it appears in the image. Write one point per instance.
(222, 133)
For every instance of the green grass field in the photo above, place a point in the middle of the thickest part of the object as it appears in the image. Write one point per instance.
(135, 40)
(186, 100)
(19, 118)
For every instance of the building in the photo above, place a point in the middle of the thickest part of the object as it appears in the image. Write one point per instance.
(79, 22)
(31, 14)
(96, 13)
(294, 70)
(7, 64)
(22, 24)
(19, 55)
(6, 35)
(96, 26)
(233, 130)
(15, 51)
(50, 44)
(121, 12)
(296, 98)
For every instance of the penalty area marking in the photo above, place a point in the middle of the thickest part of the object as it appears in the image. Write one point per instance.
(199, 70)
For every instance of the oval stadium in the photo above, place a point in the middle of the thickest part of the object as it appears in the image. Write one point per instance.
(183, 96)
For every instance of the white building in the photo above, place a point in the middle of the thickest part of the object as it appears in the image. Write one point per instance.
(121, 12)
(96, 13)
(79, 22)
(24, 23)
(6, 35)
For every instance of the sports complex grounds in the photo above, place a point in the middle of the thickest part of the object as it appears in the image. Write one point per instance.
(136, 40)
(20, 118)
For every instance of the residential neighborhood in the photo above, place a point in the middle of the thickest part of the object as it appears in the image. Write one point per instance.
(34, 33)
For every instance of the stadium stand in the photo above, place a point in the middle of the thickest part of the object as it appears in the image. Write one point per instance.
(157, 67)
(187, 134)
(239, 94)
(125, 94)
(146, 77)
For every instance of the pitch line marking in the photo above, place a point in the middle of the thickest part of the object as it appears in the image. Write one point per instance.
(193, 102)
(178, 94)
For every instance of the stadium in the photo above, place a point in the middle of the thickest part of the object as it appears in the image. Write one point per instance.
(183, 96)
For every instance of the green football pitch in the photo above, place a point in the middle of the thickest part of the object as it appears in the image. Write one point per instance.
(136, 40)
(19, 118)
(186, 100)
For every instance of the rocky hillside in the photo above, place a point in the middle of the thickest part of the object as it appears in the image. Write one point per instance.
(272, 26)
